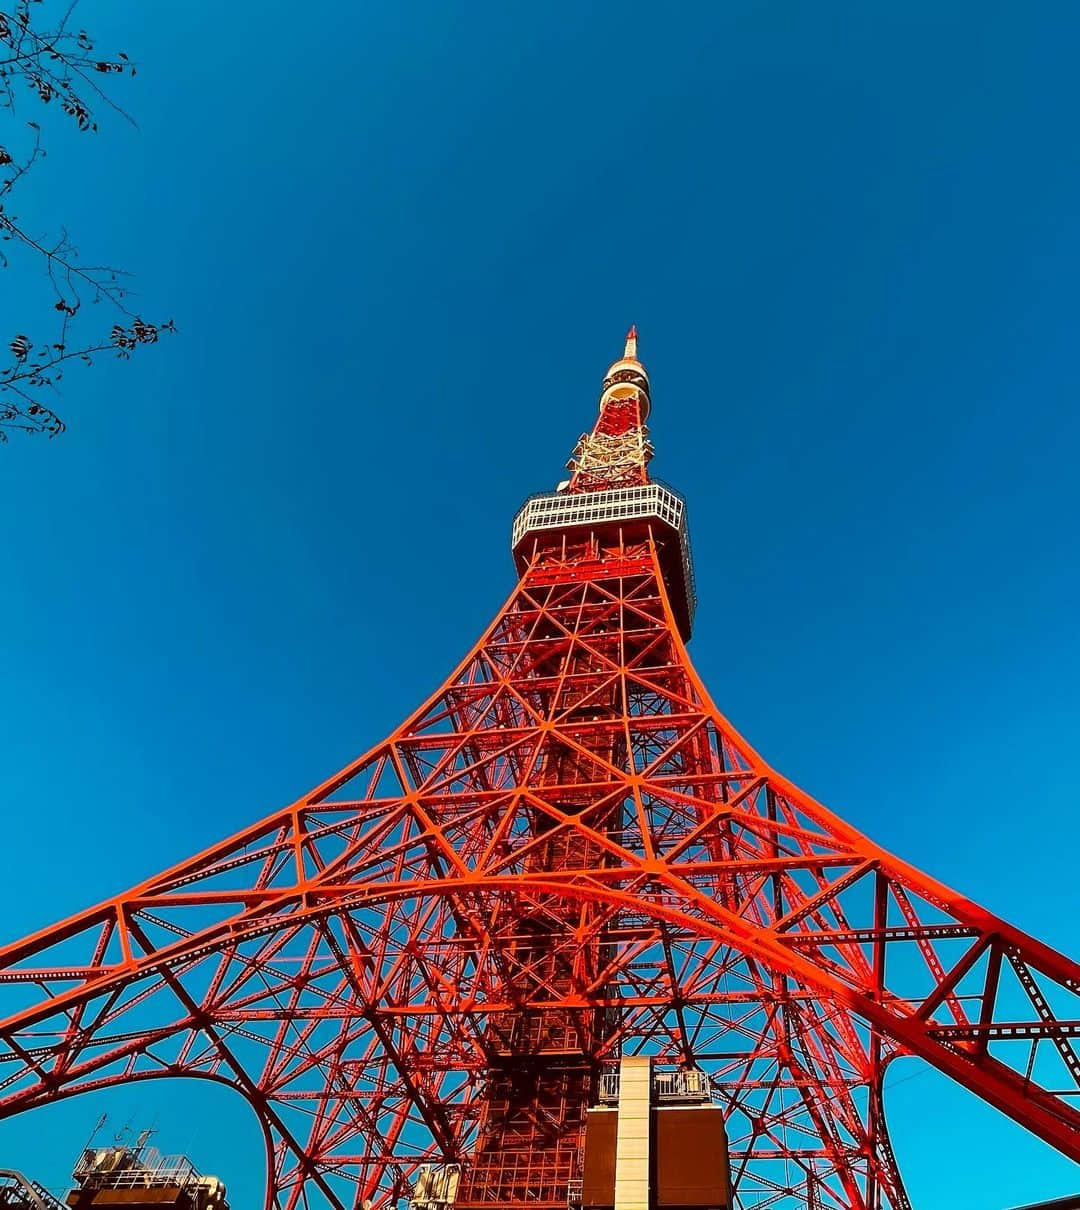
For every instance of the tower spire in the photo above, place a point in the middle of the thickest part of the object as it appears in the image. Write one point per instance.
(627, 378)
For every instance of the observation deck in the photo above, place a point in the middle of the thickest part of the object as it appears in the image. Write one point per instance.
(652, 508)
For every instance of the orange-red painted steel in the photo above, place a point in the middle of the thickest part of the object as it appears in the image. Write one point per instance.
(565, 855)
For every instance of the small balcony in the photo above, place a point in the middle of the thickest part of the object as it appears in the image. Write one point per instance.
(681, 1087)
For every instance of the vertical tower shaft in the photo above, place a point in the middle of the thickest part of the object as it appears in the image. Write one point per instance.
(531, 1130)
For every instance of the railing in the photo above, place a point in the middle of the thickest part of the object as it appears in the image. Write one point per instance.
(681, 1086)
(119, 1168)
(608, 1093)
(667, 1087)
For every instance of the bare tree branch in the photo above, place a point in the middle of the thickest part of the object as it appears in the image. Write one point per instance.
(58, 66)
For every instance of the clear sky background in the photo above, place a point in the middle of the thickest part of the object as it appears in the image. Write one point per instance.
(401, 242)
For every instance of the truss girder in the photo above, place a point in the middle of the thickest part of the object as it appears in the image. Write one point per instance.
(567, 837)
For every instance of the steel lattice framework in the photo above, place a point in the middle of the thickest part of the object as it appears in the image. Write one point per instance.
(565, 855)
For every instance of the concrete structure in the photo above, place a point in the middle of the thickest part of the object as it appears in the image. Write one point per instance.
(633, 1135)
(655, 1142)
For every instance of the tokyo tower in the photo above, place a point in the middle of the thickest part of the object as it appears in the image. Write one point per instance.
(564, 882)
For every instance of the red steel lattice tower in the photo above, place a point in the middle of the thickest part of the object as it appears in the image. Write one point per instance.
(565, 855)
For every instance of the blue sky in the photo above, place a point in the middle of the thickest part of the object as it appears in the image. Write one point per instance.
(401, 243)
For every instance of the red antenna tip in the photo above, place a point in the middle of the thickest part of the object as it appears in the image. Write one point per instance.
(630, 352)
